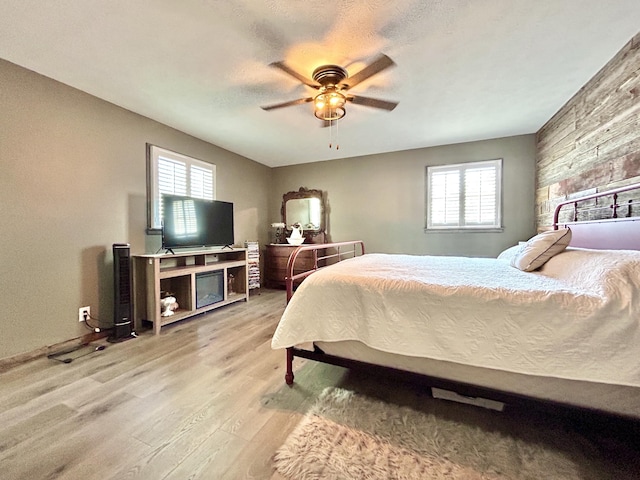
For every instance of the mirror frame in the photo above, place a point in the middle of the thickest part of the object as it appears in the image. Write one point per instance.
(303, 193)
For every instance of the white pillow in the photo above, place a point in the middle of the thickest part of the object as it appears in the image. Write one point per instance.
(541, 248)
(510, 252)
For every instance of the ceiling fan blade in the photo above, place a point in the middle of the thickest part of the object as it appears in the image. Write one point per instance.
(287, 104)
(372, 102)
(378, 65)
(286, 69)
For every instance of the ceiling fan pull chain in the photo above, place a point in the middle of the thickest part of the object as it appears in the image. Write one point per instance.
(337, 135)
(330, 133)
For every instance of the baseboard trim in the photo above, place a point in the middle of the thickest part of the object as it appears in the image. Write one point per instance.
(8, 363)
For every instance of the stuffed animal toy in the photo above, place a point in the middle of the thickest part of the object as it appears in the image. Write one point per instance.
(168, 305)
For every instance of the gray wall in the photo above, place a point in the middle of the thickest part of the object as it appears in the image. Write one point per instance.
(381, 198)
(74, 183)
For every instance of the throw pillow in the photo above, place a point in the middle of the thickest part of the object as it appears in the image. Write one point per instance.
(541, 248)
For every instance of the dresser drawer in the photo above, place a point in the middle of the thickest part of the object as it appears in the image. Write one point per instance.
(276, 260)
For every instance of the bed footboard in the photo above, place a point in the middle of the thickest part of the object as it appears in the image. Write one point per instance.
(324, 254)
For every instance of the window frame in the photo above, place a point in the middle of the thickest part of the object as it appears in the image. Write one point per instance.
(461, 226)
(154, 153)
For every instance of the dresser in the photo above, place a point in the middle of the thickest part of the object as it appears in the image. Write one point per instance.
(276, 259)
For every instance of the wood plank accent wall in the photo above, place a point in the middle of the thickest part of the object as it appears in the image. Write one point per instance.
(593, 142)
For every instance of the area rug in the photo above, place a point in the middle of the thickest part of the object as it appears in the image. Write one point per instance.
(351, 436)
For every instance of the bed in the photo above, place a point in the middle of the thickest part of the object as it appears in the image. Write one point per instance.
(562, 329)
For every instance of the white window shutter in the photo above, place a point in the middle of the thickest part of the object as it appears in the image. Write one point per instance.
(172, 177)
(445, 197)
(201, 183)
(480, 196)
(176, 174)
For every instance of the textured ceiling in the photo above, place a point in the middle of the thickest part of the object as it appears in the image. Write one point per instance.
(465, 69)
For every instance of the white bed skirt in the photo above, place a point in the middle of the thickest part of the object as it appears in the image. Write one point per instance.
(614, 399)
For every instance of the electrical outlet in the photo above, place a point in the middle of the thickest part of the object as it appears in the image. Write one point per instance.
(82, 311)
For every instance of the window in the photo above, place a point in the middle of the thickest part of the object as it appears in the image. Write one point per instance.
(464, 196)
(173, 173)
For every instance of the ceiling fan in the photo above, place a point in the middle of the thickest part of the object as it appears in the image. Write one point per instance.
(333, 84)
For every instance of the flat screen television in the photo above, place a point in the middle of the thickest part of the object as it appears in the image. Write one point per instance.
(193, 222)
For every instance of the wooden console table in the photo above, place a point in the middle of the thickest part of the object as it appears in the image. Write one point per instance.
(178, 273)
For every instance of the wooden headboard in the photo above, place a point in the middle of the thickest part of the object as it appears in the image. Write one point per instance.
(603, 220)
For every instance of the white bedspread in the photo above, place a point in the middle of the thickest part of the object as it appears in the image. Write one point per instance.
(578, 318)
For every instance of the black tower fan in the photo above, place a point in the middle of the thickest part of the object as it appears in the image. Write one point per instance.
(122, 306)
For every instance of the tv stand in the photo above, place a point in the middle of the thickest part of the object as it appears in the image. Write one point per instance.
(154, 274)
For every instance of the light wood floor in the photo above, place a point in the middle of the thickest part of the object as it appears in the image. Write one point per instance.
(205, 399)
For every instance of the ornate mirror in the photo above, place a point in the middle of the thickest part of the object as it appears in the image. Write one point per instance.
(305, 207)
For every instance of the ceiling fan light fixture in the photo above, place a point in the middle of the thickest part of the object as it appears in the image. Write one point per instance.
(329, 105)
(330, 114)
(333, 84)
